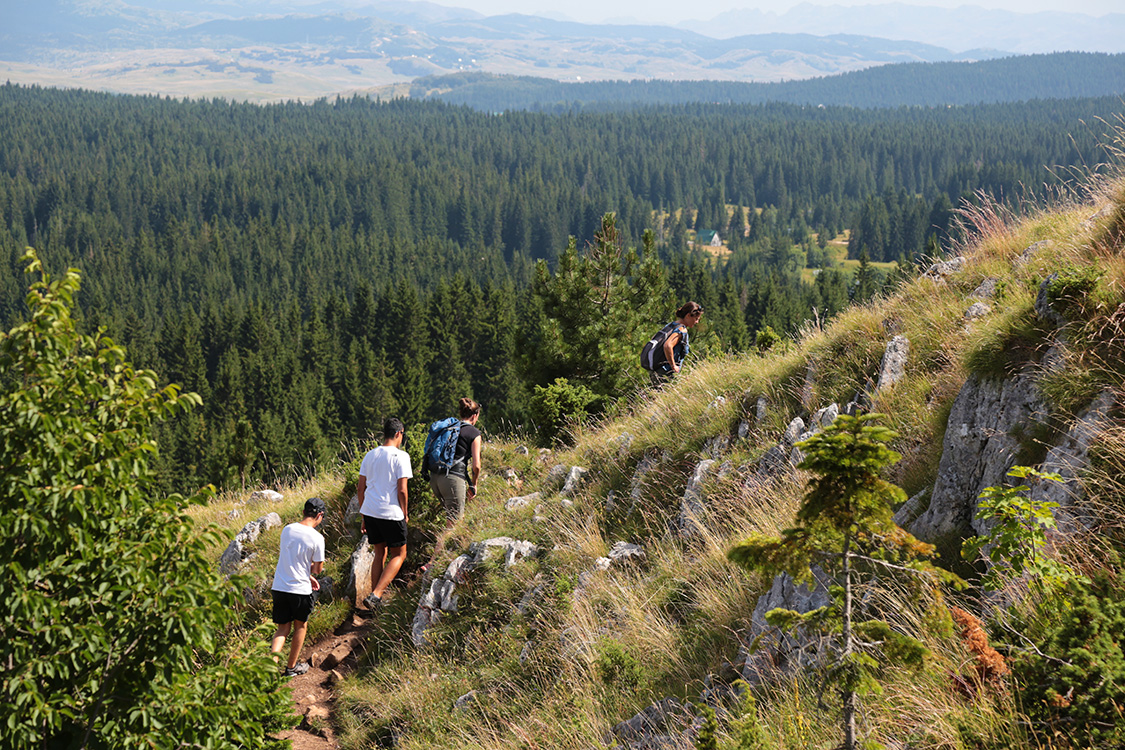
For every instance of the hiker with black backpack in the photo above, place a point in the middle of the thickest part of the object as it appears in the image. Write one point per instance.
(451, 459)
(665, 352)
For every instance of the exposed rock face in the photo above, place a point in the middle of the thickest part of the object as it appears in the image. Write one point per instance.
(977, 310)
(441, 596)
(351, 515)
(264, 497)
(234, 554)
(1070, 456)
(986, 289)
(716, 446)
(664, 724)
(978, 450)
(777, 651)
(512, 503)
(893, 367)
(574, 479)
(622, 552)
(692, 505)
(938, 271)
(556, 477)
(359, 577)
(1043, 308)
(1032, 250)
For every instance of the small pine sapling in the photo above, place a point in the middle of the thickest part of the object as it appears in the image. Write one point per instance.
(845, 526)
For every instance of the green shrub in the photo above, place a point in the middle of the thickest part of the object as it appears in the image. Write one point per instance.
(559, 404)
(1073, 680)
(1070, 287)
(617, 666)
(113, 612)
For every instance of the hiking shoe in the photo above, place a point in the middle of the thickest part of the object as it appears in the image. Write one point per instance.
(296, 669)
(373, 602)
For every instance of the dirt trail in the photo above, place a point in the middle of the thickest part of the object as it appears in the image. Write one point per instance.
(330, 661)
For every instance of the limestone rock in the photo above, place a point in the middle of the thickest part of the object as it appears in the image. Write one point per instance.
(660, 725)
(465, 700)
(440, 596)
(912, 508)
(236, 553)
(513, 503)
(1102, 213)
(986, 289)
(264, 497)
(978, 450)
(522, 450)
(691, 507)
(760, 410)
(716, 446)
(351, 515)
(359, 574)
(1043, 307)
(977, 310)
(777, 651)
(648, 462)
(793, 432)
(1032, 250)
(556, 477)
(744, 429)
(938, 271)
(574, 479)
(623, 441)
(893, 367)
(610, 501)
(1070, 456)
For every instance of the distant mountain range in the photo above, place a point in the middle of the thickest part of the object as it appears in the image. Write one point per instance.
(300, 50)
(961, 28)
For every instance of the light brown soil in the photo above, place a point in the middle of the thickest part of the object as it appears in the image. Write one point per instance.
(314, 699)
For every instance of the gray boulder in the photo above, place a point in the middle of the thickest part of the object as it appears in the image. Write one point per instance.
(621, 553)
(768, 652)
(664, 724)
(1032, 250)
(359, 572)
(691, 506)
(1043, 307)
(556, 477)
(440, 595)
(236, 552)
(978, 450)
(1070, 457)
(893, 367)
(574, 478)
(514, 503)
(264, 497)
(986, 289)
(938, 271)
(977, 310)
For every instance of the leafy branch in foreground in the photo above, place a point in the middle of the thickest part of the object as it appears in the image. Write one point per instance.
(1017, 541)
(114, 615)
(846, 527)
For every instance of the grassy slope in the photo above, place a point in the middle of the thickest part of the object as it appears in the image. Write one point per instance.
(562, 674)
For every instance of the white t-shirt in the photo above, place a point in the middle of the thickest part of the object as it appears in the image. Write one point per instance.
(382, 468)
(301, 546)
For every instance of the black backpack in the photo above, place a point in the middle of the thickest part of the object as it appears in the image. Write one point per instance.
(652, 353)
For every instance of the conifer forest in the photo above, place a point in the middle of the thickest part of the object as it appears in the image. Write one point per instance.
(309, 269)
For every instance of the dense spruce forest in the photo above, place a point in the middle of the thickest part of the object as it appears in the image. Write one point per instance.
(917, 84)
(309, 269)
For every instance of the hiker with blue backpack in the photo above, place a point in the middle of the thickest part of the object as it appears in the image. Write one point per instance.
(451, 459)
(665, 352)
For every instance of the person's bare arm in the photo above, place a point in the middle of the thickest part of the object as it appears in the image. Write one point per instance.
(360, 489)
(474, 466)
(402, 498)
(314, 571)
(669, 349)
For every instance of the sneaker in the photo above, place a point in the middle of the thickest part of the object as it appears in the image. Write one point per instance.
(373, 602)
(296, 669)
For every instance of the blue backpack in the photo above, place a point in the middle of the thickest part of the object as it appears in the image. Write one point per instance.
(441, 444)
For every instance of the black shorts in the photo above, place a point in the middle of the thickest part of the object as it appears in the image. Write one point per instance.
(289, 607)
(385, 531)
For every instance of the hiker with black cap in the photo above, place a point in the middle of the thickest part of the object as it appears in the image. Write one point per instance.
(664, 354)
(300, 559)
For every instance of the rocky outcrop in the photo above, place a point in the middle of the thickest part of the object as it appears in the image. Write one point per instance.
(440, 596)
(574, 479)
(893, 367)
(691, 506)
(664, 725)
(621, 553)
(264, 497)
(556, 477)
(938, 271)
(1070, 456)
(359, 574)
(768, 652)
(979, 448)
(977, 310)
(235, 553)
(523, 501)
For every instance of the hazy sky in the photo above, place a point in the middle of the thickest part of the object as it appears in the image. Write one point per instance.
(673, 11)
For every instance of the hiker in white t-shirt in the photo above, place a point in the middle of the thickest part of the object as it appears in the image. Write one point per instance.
(382, 494)
(300, 559)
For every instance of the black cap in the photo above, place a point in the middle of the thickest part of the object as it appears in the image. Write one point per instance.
(314, 506)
